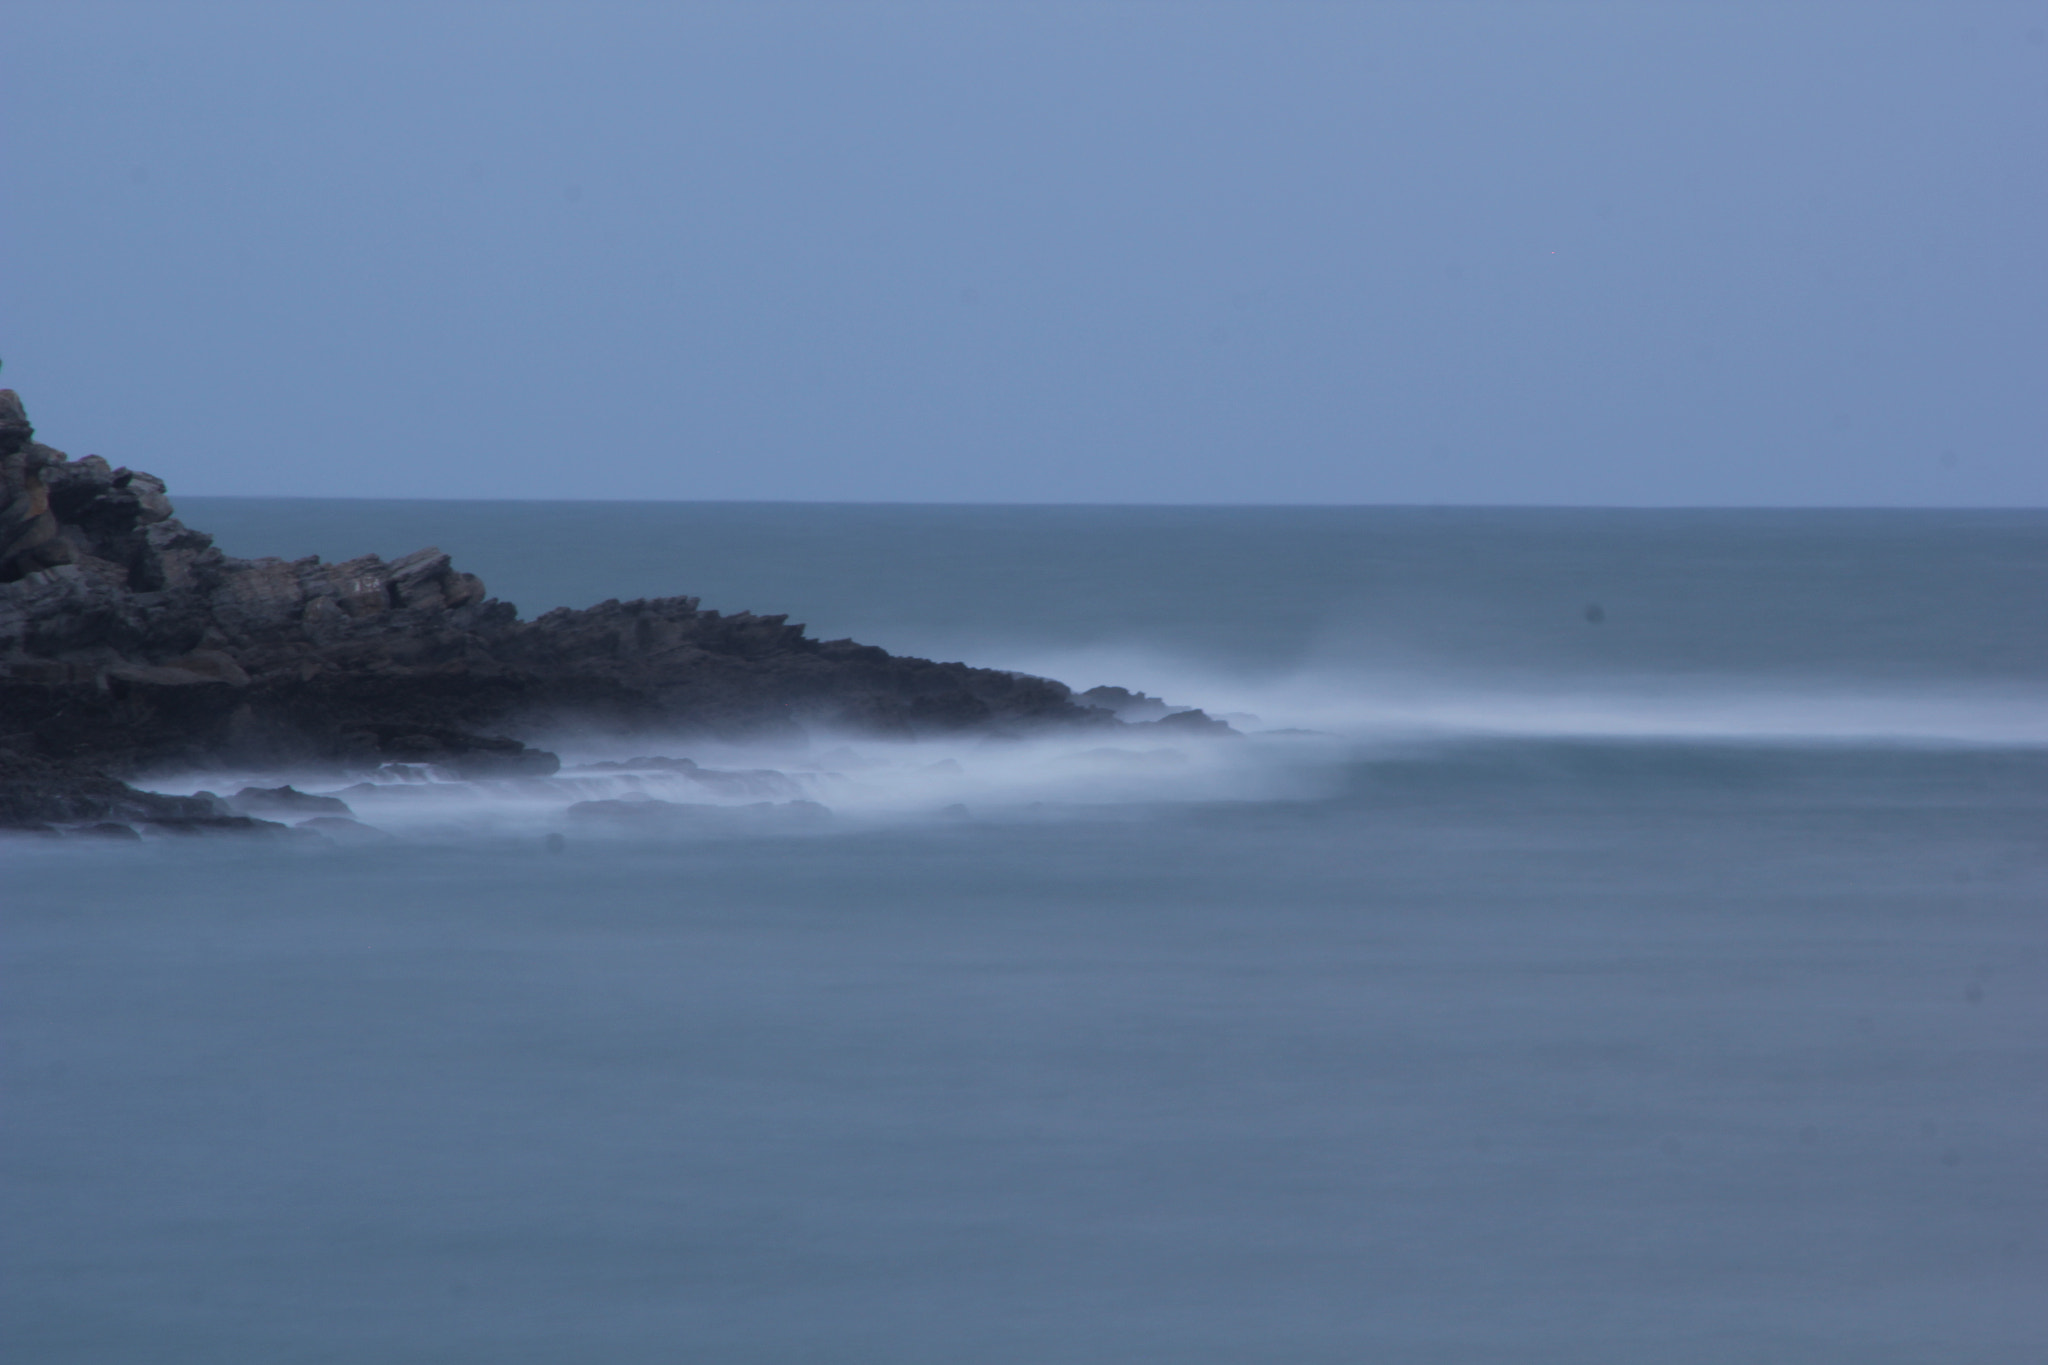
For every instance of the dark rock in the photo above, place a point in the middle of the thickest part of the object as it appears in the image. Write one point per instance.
(403, 789)
(462, 755)
(1125, 704)
(252, 799)
(1135, 708)
(1191, 723)
(30, 533)
(519, 762)
(130, 643)
(35, 791)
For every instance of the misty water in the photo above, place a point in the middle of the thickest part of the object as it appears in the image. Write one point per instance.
(1616, 937)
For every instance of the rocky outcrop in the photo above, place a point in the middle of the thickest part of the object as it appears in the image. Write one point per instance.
(39, 794)
(129, 641)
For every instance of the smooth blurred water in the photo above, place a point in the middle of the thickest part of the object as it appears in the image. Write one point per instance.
(1666, 987)
(1869, 597)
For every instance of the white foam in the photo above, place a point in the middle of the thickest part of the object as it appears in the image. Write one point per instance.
(858, 780)
(1301, 732)
(1415, 700)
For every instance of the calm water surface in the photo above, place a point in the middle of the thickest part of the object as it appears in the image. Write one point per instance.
(1661, 982)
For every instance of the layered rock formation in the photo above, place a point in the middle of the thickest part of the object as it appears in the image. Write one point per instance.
(128, 641)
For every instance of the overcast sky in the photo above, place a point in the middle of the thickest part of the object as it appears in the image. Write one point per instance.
(1680, 253)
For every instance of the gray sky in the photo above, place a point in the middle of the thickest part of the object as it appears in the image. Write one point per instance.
(1634, 253)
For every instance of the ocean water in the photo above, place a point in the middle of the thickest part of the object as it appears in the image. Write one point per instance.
(1616, 937)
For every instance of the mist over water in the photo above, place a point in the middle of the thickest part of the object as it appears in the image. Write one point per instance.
(1615, 937)
(1372, 627)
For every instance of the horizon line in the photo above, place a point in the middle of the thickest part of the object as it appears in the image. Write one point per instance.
(1144, 506)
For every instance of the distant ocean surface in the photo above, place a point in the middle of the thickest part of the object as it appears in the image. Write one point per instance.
(1618, 937)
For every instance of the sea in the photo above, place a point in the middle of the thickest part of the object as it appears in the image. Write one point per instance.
(1614, 937)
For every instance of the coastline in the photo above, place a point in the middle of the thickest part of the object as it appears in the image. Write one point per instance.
(130, 643)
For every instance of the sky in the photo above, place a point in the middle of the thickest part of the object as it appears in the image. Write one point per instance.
(1178, 252)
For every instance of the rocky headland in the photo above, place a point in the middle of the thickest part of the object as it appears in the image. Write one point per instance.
(131, 644)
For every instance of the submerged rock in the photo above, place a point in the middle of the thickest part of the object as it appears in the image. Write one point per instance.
(647, 815)
(343, 830)
(108, 829)
(644, 814)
